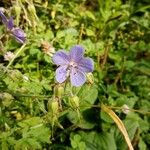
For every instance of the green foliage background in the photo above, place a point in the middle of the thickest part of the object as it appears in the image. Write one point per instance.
(115, 33)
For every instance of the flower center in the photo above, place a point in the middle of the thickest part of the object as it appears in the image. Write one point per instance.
(73, 64)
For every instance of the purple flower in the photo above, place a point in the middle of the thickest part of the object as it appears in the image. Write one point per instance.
(16, 32)
(72, 65)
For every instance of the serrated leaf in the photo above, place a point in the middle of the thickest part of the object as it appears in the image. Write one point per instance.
(95, 141)
(88, 95)
(85, 120)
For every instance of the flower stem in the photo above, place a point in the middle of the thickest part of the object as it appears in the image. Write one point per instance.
(12, 60)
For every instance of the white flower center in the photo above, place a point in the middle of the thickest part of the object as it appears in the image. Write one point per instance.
(73, 64)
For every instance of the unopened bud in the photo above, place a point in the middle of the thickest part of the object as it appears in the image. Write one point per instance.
(32, 11)
(53, 106)
(53, 13)
(15, 75)
(17, 9)
(90, 78)
(59, 91)
(125, 109)
(22, 1)
(74, 102)
(6, 99)
(18, 12)
(7, 128)
(26, 79)
(16, 114)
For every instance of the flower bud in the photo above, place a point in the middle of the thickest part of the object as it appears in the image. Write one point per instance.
(26, 79)
(90, 78)
(15, 75)
(32, 11)
(53, 106)
(7, 128)
(74, 102)
(6, 99)
(18, 12)
(59, 91)
(16, 114)
(125, 109)
(53, 14)
(22, 1)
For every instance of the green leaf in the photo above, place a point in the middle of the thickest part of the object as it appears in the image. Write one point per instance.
(34, 121)
(85, 120)
(88, 94)
(90, 32)
(142, 145)
(94, 141)
(90, 15)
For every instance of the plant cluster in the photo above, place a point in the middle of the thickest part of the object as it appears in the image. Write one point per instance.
(74, 74)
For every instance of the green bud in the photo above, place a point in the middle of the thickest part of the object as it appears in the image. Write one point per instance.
(22, 1)
(15, 75)
(17, 9)
(7, 128)
(6, 99)
(53, 106)
(53, 14)
(74, 102)
(90, 78)
(18, 12)
(16, 114)
(32, 11)
(59, 91)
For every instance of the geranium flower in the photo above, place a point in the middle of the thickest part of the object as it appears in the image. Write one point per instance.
(16, 32)
(72, 65)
